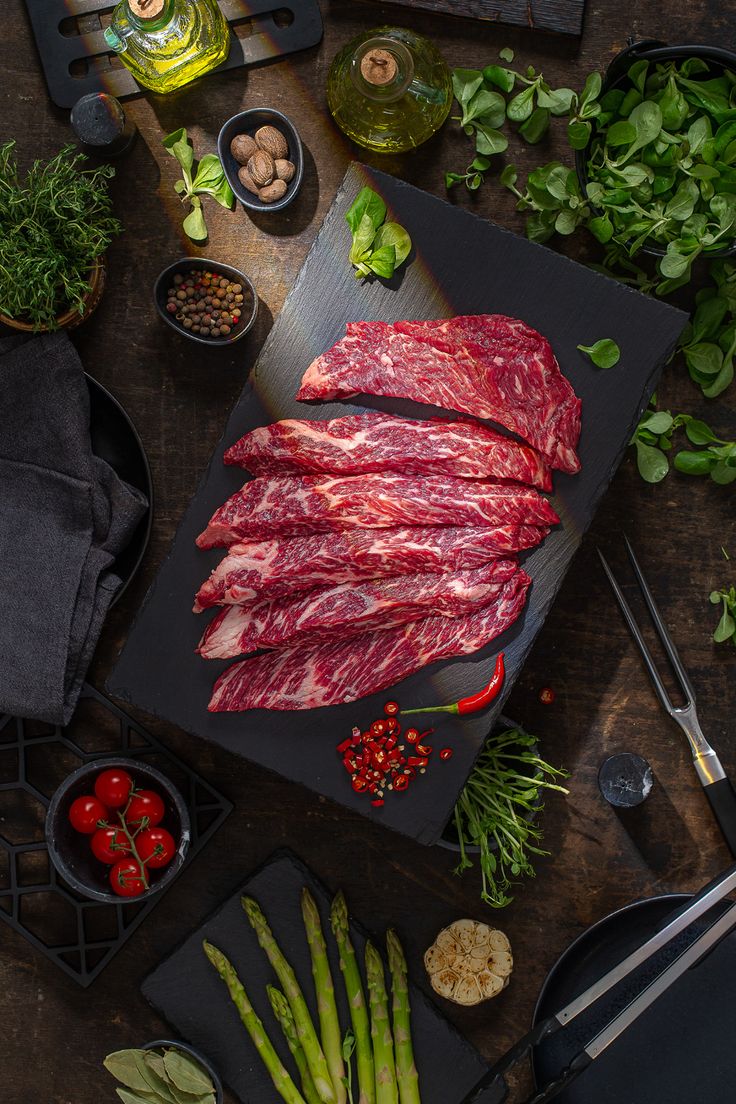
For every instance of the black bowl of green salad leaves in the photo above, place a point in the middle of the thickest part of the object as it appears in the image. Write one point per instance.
(655, 146)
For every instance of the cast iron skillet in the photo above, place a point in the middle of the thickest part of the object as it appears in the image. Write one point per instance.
(115, 439)
(680, 1051)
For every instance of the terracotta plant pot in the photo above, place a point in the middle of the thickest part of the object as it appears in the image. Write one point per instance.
(72, 318)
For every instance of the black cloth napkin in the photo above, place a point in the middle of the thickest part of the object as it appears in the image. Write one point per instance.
(64, 517)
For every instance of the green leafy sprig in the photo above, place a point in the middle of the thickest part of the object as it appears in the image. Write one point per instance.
(54, 226)
(653, 440)
(486, 102)
(553, 195)
(604, 353)
(378, 247)
(726, 628)
(496, 807)
(208, 178)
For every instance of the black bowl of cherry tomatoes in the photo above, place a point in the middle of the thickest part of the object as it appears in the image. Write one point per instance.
(117, 830)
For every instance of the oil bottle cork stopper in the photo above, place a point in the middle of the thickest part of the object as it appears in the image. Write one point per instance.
(379, 67)
(146, 9)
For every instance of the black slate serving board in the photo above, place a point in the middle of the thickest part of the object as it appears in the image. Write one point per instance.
(461, 264)
(187, 991)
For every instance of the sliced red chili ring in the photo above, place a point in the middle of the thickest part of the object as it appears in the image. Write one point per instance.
(359, 784)
(424, 749)
(378, 728)
(401, 782)
(393, 725)
(377, 802)
(391, 708)
(446, 753)
(412, 735)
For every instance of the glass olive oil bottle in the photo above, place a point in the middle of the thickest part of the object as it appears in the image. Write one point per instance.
(167, 43)
(389, 89)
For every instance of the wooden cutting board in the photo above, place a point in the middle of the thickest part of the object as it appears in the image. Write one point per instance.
(461, 264)
(563, 16)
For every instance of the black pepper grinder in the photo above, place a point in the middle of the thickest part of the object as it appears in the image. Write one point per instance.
(100, 124)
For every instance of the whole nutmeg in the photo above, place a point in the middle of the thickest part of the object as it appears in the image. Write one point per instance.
(271, 140)
(243, 147)
(272, 192)
(260, 167)
(284, 169)
(247, 180)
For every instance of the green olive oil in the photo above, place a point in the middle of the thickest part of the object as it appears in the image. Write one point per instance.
(389, 89)
(168, 43)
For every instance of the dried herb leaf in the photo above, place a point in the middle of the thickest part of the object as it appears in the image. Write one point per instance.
(186, 1073)
(125, 1066)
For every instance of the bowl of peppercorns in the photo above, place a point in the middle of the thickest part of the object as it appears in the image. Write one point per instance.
(206, 301)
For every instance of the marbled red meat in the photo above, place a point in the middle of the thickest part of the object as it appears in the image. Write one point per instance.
(373, 442)
(271, 569)
(279, 506)
(489, 366)
(337, 612)
(308, 678)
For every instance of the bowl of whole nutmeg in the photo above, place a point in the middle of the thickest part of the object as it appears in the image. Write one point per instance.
(262, 157)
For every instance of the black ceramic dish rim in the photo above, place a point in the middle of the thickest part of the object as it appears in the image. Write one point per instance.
(185, 264)
(93, 383)
(131, 764)
(651, 49)
(177, 1044)
(502, 723)
(265, 116)
(675, 898)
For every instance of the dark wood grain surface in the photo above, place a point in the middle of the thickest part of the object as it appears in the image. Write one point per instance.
(54, 1034)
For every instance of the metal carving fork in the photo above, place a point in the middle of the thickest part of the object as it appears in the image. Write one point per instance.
(493, 1089)
(708, 768)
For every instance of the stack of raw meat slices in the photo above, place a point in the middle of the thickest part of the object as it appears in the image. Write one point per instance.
(368, 546)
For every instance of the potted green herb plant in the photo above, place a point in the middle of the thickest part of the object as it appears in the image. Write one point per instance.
(54, 229)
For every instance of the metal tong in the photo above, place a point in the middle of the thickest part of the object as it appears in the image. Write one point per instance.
(707, 765)
(493, 1088)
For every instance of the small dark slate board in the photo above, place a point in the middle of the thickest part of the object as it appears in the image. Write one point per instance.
(187, 991)
(461, 265)
(562, 16)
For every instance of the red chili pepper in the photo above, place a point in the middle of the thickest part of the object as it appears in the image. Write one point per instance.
(391, 708)
(411, 735)
(359, 784)
(393, 725)
(473, 704)
(423, 749)
(446, 753)
(378, 728)
(401, 782)
(547, 696)
(378, 802)
(345, 745)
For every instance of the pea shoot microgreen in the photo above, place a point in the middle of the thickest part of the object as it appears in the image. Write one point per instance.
(378, 247)
(726, 628)
(207, 179)
(604, 353)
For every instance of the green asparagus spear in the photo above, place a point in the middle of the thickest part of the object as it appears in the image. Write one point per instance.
(383, 1043)
(406, 1070)
(303, 1021)
(356, 1002)
(329, 1024)
(279, 1075)
(282, 1012)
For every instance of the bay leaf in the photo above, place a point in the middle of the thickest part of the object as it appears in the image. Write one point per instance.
(129, 1097)
(124, 1066)
(186, 1073)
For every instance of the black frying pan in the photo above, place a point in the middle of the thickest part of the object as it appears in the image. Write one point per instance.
(680, 1051)
(116, 440)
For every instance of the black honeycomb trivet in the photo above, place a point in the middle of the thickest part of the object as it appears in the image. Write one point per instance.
(80, 936)
(77, 60)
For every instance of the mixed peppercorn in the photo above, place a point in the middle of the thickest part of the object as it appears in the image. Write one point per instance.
(206, 303)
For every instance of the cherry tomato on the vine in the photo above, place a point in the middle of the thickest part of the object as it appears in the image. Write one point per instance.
(109, 845)
(126, 880)
(113, 787)
(148, 804)
(85, 814)
(156, 847)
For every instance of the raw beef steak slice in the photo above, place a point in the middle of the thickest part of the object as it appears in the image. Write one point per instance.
(278, 506)
(308, 678)
(276, 568)
(515, 382)
(335, 613)
(373, 442)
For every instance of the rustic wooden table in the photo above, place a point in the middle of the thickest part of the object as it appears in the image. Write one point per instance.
(54, 1034)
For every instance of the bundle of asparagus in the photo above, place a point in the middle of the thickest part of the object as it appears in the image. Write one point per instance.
(378, 1038)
